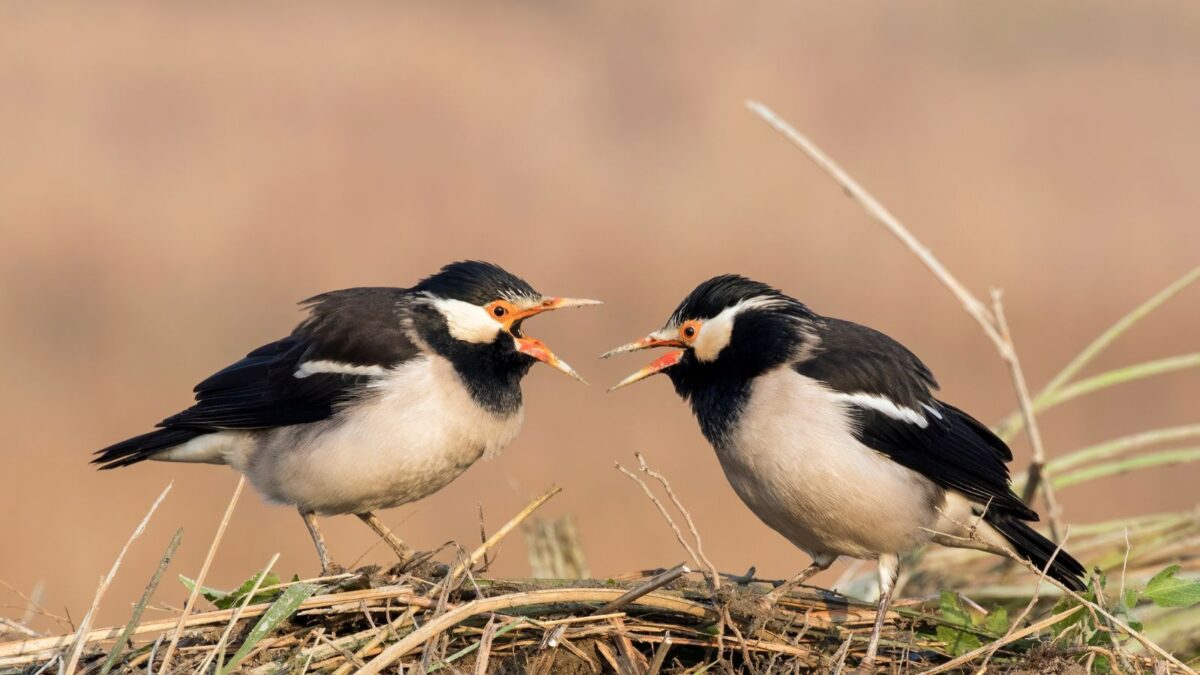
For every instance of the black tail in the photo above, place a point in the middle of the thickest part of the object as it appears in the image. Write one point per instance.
(138, 448)
(1037, 549)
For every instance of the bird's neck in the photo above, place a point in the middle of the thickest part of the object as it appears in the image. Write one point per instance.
(717, 399)
(494, 383)
(490, 372)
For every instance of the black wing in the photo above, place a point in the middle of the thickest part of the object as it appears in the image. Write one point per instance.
(903, 421)
(951, 448)
(358, 331)
(349, 338)
(263, 390)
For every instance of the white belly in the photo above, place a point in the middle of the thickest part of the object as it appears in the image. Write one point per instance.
(417, 432)
(794, 462)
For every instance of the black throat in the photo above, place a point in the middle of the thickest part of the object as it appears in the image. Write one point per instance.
(491, 372)
(718, 391)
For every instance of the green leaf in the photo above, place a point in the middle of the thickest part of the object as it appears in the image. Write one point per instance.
(1168, 590)
(211, 594)
(236, 596)
(277, 613)
(958, 642)
(1129, 600)
(997, 621)
(952, 611)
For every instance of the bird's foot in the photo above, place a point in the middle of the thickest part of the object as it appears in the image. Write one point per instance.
(866, 667)
(412, 562)
(764, 609)
(332, 569)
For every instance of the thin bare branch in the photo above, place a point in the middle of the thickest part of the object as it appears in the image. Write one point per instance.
(1037, 465)
(663, 511)
(687, 516)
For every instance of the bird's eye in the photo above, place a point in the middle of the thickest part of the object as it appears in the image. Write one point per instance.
(499, 311)
(688, 330)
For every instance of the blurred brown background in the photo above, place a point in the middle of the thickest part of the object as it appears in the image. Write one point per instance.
(173, 178)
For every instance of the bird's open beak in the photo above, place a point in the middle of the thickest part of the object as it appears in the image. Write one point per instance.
(538, 349)
(656, 339)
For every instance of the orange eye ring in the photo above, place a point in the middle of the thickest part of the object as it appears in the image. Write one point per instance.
(689, 330)
(499, 310)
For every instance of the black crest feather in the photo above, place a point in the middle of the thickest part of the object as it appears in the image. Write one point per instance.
(712, 296)
(476, 282)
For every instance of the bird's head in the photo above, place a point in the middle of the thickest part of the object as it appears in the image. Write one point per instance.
(477, 310)
(729, 326)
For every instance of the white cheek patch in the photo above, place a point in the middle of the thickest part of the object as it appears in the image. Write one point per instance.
(467, 322)
(715, 333)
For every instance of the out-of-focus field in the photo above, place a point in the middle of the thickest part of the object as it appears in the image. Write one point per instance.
(174, 177)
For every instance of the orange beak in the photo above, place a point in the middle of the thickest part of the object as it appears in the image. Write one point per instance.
(536, 348)
(656, 339)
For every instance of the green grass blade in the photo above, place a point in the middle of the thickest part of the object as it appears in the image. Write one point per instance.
(141, 603)
(1113, 447)
(1117, 329)
(277, 613)
(1090, 473)
(1120, 376)
(1014, 422)
(520, 621)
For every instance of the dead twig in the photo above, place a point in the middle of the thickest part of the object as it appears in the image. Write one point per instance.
(1006, 638)
(512, 601)
(712, 577)
(86, 624)
(496, 538)
(687, 516)
(191, 601)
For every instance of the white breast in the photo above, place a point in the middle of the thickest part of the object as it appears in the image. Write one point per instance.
(417, 431)
(794, 460)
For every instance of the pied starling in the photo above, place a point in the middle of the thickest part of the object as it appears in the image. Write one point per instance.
(380, 397)
(829, 432)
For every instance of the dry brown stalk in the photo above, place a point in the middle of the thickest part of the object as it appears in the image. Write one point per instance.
(1129, 630)
(29, 649)
(496, 538)
(86, 624)
(377, 639)
(485, 643)
(1037, 589)
(991, 324)
(212, 552)
(660, 655)
(710, 573)
(514, 600)
(687, 516)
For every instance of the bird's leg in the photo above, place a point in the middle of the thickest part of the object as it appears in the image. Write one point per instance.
(310, 521)
(889, 568)
(768, 601)
(402, 550)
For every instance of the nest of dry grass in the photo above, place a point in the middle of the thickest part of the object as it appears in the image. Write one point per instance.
(658, 621)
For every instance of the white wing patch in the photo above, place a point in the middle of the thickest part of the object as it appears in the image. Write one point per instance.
(886, 406)
(336, 367)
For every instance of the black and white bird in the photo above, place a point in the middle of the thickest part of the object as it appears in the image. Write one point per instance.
(380, 397)
(830, 433)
